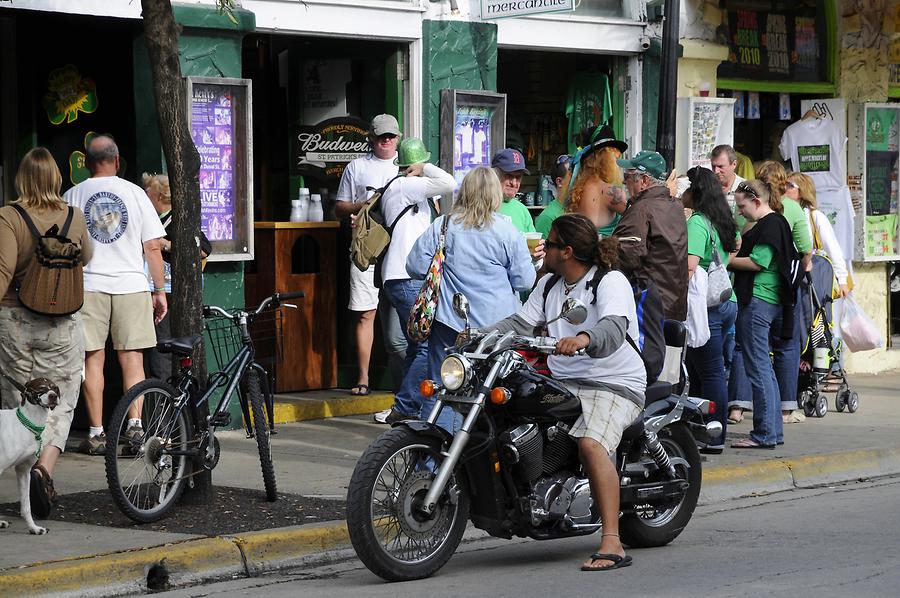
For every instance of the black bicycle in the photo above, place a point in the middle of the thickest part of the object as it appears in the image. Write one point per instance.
(157, 440)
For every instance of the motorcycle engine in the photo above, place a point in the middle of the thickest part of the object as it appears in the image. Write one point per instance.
(561, 497)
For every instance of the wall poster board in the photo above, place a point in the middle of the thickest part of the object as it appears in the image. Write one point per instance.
(473, 128)
(220, 115)
(702, 124)
(874, 161)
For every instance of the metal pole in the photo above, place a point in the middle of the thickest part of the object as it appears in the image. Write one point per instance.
(668, 83)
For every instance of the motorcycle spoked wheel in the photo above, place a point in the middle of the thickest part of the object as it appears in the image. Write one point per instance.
(390, 536)
(648, 526)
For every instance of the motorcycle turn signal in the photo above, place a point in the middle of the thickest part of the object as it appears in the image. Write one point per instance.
(500, 396)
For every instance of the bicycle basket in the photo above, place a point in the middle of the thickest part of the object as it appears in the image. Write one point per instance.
(267, 331)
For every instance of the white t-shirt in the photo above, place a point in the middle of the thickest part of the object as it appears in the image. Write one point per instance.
(729, 197)
(405, 192)
(814, 146)
(614, 298)
(120, 219)
(362, 173)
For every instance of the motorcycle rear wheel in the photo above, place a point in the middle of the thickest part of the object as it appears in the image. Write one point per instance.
(657, 527)
(391, 537)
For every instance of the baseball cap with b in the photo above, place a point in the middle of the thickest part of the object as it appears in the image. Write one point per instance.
(646, 162)
(509, 160)
(384, 124)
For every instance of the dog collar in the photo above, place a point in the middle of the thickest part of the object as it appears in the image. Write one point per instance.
(36, 430)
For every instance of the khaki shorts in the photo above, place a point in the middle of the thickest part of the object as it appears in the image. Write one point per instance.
(604, 416)
(129, 318)
(363, 292)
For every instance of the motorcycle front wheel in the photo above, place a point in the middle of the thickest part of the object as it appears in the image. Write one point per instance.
(390, 534)
(650, 526)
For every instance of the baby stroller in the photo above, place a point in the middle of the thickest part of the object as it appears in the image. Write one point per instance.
(820, 358)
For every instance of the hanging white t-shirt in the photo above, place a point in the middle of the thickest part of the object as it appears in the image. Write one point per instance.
(814, 146)
(614, 298)
(837, 206)
(410, 191)
(363, 173)
(120, 219)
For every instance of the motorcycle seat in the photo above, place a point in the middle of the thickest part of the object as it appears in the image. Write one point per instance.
(657, 391)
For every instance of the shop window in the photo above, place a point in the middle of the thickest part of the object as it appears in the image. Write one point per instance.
(305, 256)
(599, 8)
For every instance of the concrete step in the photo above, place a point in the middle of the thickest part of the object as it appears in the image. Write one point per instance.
(335, 402)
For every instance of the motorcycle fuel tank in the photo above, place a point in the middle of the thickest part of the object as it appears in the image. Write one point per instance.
(541, 398)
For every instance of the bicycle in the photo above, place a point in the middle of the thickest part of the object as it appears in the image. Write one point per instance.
(148, 466)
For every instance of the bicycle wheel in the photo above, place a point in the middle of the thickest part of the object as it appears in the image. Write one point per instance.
(256, 399)
(146, 467)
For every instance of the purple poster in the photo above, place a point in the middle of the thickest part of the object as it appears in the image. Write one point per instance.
(212, 128)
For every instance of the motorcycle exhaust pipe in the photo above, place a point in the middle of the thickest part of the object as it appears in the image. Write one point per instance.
(714, 429)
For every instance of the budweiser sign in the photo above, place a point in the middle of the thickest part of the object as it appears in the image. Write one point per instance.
(324, 150)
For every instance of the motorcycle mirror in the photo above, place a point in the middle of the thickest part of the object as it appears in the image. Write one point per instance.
(573, 311)
(461, 306)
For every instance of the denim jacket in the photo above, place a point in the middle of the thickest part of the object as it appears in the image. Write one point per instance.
(486, 265)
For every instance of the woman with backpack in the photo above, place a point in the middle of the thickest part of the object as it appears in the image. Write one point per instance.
(33, 345)
(710, 228)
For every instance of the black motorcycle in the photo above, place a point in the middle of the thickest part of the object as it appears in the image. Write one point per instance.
(512, 468)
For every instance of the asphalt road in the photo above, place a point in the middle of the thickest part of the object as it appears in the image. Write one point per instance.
(835, 541)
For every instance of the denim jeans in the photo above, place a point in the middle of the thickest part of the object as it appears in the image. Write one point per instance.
(442, 336)
(402, 295)
(706, 364)
(394, 339)
(755, 321)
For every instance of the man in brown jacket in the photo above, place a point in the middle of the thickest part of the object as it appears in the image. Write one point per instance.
(653, 233)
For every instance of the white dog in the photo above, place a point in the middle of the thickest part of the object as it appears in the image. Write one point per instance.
(19, 444)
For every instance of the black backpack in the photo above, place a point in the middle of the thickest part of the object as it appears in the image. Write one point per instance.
(651, 345)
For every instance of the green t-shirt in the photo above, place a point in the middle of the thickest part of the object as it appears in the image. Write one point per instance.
(607, 230)
(553, 211)
(519, 214)
(698, 243)
(767, 282)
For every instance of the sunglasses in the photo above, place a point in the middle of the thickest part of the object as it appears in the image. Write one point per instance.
(563, 159)
(548, 244)
(793, 185)
(747, 190)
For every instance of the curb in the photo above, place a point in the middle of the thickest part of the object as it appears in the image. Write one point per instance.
(252, 553)
(297, 409)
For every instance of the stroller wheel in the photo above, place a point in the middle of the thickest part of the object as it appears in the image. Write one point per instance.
(806, 401)
(821, 405)
(853, 402)
(841, 397)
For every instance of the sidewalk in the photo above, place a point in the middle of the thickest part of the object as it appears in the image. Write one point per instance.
(316, 457)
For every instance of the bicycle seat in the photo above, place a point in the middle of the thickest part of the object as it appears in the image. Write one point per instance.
(179, 346)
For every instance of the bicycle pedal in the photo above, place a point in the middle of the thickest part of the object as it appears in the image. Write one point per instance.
(221, 419)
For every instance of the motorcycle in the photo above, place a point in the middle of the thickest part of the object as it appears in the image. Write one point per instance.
(512, 468)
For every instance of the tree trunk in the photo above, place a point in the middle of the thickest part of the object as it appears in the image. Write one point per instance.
(161, 34)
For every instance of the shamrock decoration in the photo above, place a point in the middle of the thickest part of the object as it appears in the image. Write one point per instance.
(78, 170)
(67, 94)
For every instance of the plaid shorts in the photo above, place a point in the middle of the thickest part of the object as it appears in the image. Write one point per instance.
(604, 415)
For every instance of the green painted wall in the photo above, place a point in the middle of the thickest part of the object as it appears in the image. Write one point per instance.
(456, 54)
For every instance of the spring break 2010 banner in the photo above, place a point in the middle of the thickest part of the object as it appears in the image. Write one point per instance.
(212, 128)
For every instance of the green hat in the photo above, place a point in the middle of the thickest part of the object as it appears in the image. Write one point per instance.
(646, 162)
(412, 151)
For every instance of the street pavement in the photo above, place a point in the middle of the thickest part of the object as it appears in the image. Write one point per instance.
(316, 458)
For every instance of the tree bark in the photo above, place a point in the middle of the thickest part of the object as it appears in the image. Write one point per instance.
(183, 161)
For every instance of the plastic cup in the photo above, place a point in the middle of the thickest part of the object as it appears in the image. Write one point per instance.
(533, 240)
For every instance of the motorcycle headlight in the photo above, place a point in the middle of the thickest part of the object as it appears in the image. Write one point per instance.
(455, 372)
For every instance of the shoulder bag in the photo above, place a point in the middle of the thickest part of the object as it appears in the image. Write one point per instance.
(718, 283)
(418, 327)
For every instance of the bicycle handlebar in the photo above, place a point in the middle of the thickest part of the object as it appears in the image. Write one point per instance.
(275, 299)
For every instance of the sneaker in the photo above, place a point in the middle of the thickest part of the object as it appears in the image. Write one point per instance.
(395, 416)
(94, 445)
(381, 416)
(711, 449)
(133, 438)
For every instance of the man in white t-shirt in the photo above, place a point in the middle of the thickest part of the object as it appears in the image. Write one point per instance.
(723, 160)
(125, 231)
(405, 205)
(360, 179)
(609, 378)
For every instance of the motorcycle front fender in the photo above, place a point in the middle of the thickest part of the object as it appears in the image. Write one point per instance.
(426, 429)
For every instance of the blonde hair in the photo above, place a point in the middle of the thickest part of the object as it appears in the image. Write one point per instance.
(479, 197)
(598, 164)
(158, 183)
(775, 176)
(39, 181)
(807, 189)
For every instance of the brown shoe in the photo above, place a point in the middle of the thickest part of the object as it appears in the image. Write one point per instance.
(94, 445)
(395, 416)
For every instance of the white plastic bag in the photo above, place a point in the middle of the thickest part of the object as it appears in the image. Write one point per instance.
(697, 318)
(858, 331)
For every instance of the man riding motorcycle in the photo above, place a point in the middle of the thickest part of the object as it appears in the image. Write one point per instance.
(597, 361)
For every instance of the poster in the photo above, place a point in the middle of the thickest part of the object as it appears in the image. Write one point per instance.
(881, 235)
(325, 89)
(212, 129)
(705, 134)
(471, 139)
(881, 182)
(323, 150)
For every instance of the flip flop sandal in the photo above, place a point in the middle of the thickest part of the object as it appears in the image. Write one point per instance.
(360, 390)
(42, 493)
(617, 562)
(749, 443)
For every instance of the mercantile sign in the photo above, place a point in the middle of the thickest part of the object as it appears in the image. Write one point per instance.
(501, 9)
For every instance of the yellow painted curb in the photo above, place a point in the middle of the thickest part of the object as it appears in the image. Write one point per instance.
(761, 472)
(265, 548)
(191, 557)
(821, 469)
(290, 411)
